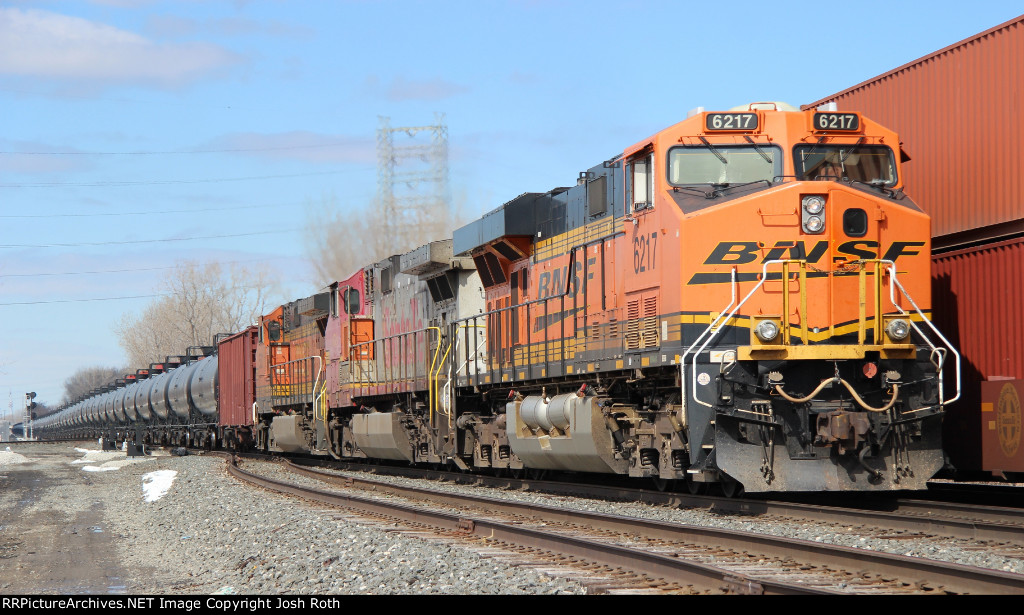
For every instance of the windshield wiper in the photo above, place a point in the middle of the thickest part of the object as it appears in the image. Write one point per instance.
(877, 184)
(703, 193)
(766, 157)
(713, 150)
(804, 156)
(720, 188)
(852, 149)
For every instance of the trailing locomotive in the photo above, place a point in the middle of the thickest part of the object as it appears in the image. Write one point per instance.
(741, 299)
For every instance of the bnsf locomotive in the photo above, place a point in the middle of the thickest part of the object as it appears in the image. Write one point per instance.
(742, 299)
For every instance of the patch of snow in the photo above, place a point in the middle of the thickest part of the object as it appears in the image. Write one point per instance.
(102, 468)
(156, 484)
(10, 458)
(105, 461)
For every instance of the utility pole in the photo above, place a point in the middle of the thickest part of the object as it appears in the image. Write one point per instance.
(412, 175)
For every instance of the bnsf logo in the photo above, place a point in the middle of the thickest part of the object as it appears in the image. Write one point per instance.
(743, 252)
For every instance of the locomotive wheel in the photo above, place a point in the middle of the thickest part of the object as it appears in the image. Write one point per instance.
(696, 488)
(731, 488)
(663, 484)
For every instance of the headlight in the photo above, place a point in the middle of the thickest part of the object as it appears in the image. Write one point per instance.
(766, 330)
(814, 204)
(898, 329)
(812, 213)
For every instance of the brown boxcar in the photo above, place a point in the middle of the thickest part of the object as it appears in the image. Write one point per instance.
(977, 295)
(958, 111)
(1002, 452)
(236, 365)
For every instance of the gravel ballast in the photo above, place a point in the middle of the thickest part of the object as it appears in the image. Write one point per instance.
(208, 533)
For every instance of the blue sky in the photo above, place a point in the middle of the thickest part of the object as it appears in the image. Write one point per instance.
(135, 134)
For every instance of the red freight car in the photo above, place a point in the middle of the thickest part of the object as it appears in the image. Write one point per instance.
(236, 368)
(977, 295)
(1002, 453)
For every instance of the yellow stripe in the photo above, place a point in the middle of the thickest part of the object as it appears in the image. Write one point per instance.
(559, 245)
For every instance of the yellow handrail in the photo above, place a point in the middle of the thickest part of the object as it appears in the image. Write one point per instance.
(430, 372)
(455, 341)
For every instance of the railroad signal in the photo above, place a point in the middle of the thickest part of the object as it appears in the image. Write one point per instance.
(29, 400)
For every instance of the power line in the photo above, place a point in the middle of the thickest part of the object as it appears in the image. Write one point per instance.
(112, 243)
(164, 152)
(163, 182)
(83, 300)
(32, 275)
(148, 213)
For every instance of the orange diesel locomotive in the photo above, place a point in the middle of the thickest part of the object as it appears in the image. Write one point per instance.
(742, 298)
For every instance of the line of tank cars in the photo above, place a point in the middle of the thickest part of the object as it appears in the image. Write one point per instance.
(743, 298)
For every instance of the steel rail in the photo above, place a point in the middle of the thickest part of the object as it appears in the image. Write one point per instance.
(1001, 524)
(952, 578)
(673, 570)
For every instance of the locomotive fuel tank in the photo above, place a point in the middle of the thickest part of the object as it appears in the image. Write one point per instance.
(382, 435)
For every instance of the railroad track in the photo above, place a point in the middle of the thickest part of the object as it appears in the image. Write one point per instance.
(625, 554)
(906, 517)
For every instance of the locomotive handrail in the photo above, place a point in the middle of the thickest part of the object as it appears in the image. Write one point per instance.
(941, 362)
(764, 278)
(711, 333)
(446, 398)
(291, 387)
(710, 328)
(372, 362)
(430, 375)
(444, 358)
(515, 310)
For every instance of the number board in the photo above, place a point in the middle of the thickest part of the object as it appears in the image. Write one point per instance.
(730, 121)
(848, 122)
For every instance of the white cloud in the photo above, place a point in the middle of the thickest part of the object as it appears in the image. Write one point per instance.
(45, 45)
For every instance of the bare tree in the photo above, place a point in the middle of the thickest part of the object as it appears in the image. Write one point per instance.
(88, 378)
(201, 301)
(344, 239)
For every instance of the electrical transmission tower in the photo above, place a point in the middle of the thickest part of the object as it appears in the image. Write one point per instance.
(412, 177)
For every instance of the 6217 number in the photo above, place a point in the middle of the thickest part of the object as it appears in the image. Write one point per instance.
(836, 121)
(730, 121)
(644, 252)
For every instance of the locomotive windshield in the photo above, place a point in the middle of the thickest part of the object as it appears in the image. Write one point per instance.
(723, 164)
(871, 164)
